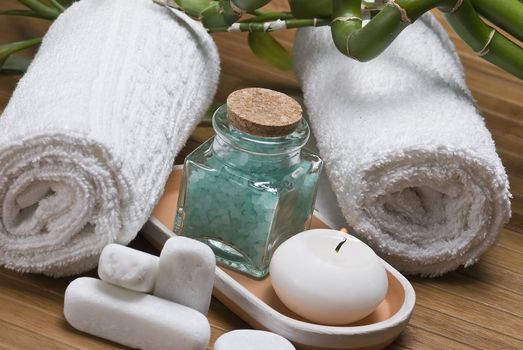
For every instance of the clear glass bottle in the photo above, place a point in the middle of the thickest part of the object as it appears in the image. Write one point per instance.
(243, 194)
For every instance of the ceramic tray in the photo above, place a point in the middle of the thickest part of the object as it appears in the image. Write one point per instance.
(256, 302)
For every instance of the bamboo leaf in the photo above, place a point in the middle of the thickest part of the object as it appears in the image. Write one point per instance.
(250, 5)
(270, 50)
(57, 5)
(41, 9)
(21, 13)
(194, 8)
(16, 64)
(6, 50)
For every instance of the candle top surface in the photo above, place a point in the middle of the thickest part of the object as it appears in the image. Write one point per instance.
(337, 248)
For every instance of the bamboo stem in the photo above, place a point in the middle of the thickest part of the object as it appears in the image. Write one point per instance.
(346, 20)
(506, 14)
(364, 44)
(272, 26)
(256, 12)
(269, 16)
(374, 5)
(311, 8)
(368, 42)
(486, 41)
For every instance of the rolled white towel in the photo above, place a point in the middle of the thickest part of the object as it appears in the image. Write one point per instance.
(413, 166)
(90, 135)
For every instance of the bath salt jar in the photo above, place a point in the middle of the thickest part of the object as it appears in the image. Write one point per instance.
(252, 186)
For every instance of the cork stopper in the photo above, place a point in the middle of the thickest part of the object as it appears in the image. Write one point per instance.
(263, 112)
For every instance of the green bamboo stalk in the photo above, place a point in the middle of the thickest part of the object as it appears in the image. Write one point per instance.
(368, 42)
(311, 9)
(7, 50)
(365, 43)
(486, 41)
(41, 9)
(248, 5)
(346, 20)
(256, 12)
(269, 16)
(374, 5)
(272, 26)
(506, 14)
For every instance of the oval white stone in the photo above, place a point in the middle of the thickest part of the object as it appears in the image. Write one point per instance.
(248, 339)
(138, 320)
(186, 273)
(128, 268)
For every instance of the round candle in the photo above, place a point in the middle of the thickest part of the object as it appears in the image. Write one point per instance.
(328, 277)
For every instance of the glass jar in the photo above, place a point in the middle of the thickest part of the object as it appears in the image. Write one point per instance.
(243, 195)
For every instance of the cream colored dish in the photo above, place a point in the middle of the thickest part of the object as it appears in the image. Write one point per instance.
(256, 302)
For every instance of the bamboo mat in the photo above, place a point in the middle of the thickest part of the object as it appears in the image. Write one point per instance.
(476, 308)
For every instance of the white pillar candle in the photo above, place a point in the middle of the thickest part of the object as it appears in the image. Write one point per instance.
(128, 268)
(138, 320)
(186, 273)
(249, 339)
(328, 277)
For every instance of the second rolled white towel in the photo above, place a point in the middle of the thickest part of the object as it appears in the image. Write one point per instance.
(413, 166)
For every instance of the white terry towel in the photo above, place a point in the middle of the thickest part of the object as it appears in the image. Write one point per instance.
(413, 166)
(90, 134)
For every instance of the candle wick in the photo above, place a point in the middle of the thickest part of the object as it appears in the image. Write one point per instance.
(338, 247)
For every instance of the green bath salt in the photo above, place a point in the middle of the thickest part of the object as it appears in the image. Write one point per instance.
(244, 194)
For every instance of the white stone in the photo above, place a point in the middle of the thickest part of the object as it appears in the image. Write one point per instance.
(128, 268)
(248, 339)
(186, 273)
(134, 319)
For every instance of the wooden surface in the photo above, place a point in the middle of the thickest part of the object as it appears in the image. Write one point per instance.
(476, 308)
